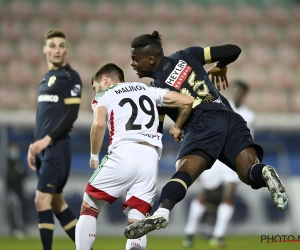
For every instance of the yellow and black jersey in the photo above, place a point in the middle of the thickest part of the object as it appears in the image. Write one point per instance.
(59, 98)
(183, 72)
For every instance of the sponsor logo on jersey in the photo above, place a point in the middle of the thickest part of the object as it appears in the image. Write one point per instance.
(179, 74)
(76, 90)
(48, 98)
(51, 81)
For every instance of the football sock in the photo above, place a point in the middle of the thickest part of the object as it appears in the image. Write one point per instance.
(224, 215)
(175, 190)
(46, 227)
(85, 233)
(255, 177)
(86, 227)
(196, 211)
(68, 222)
(136, 244)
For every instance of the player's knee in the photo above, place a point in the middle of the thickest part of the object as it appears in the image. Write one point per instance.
(42, 201)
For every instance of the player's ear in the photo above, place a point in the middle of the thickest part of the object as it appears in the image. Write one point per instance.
(152, 59)
(104, 79)
(44, 49)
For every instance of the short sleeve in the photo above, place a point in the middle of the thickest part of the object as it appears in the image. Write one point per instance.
(199, 54)
(159, 95)
(99, 100)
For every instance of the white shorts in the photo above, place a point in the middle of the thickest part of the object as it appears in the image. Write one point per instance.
(218, 174)
(131, 168)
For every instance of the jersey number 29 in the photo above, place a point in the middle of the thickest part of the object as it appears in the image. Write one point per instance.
(130, 123)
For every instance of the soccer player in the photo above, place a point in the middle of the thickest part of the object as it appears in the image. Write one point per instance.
(131, 164)
(213, 130)
(50, 154)
(219, 176)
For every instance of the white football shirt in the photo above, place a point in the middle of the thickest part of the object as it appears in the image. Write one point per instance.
(131, 113)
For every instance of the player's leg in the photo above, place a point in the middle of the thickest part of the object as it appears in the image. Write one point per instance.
(189, 168)
(140, 243)
(64, 214)
(86, 227)
(59, 206)
(140, 199)
(46, 219)
(46, 187)
(224, 214)
(196, 211)
(243, 155)
(225, 209)
(259, 175)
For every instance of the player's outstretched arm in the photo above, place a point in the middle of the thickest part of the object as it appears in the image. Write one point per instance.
(97, 134)
(222, 55)
(184, 103)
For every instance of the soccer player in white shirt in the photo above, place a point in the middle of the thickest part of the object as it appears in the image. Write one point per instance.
(131, 164)
(212, 179)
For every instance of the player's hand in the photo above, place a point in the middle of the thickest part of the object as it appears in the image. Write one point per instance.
(218, 77)
(36, 147)
(176, 133)
(94, 163)
(31, 160)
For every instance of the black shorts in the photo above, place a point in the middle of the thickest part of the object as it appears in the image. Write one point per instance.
(220, 134)
(53, 167)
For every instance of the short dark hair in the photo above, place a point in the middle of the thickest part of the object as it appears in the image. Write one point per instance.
(111, 70)
(152, 41)
(53, 32)
(241, 84)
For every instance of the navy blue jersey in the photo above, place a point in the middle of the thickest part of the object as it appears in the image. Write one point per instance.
(183, 72)
(58, 88)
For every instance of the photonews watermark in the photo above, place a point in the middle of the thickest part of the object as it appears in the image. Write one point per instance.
(279, 238)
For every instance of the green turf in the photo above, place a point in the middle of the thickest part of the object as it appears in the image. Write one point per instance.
(154, 243)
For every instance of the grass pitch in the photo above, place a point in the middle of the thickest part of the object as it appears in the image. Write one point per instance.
(154, 243)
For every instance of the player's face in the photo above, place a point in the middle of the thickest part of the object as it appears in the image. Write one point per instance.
(141, 63)
(55, 50)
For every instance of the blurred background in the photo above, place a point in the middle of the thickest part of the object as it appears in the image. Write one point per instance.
(99, 32)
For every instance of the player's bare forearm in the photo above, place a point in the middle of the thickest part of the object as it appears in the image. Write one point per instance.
(97, 136)
(174, 99)
(183, 114)
(98, 130)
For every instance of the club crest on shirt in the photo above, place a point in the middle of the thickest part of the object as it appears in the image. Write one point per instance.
(179, 74)
(51, 81)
